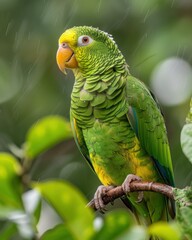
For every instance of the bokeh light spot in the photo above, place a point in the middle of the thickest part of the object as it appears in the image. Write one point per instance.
(171, 81)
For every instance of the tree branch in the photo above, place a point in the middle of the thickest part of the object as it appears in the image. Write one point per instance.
(135, 186)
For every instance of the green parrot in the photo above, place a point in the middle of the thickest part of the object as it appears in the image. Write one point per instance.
(116, 122)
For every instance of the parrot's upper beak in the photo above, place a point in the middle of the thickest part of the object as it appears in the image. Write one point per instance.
(65, 57)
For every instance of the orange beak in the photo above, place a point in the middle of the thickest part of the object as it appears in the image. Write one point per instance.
(65, 57)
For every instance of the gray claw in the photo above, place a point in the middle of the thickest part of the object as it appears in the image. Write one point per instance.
(126, 185)
(98, 197)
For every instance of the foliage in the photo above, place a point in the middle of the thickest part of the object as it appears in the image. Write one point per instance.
(45, 133)
(61, 195)
(147, 32)
(186, 135)
(183, 198)
(21, 207)
(31, 86)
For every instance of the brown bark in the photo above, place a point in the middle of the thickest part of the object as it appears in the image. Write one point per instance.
(135, 186)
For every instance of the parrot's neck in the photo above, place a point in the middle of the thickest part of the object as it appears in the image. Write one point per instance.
(99, 97)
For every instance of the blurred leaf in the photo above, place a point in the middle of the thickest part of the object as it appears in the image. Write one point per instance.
(164, 230)
(32, 203)
(70, 205)
(8, 231)
(46, 133)
(24, 222)
(11, 205)
(186, 141)
(10, 185)
(135, 232)
(58, 232)
(183, 199)
(186, 135)
(189, 116)
(115, 224)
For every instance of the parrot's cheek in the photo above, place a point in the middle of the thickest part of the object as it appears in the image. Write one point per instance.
(66, 58)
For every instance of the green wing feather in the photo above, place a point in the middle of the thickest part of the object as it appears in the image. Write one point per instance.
(148, 123)
(79, 139)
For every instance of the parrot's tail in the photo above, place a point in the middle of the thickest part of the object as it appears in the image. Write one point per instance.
(147, 220)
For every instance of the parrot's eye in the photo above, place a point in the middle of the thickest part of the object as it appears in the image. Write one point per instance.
(64, 45)
(84, 40)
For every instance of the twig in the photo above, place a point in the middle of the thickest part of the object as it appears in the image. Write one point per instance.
(135, 186)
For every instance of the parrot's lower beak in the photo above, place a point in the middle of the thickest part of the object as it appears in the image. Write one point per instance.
(66, 58)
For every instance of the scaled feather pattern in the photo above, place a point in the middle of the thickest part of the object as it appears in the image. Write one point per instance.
(117, 124)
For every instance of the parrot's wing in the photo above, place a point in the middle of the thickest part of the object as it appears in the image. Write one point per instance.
(147, 121)
(79, 139)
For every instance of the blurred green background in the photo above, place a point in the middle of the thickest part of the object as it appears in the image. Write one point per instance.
(155, 37)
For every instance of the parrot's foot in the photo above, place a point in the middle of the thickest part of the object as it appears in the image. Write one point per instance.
(98, 197)
(126, 185)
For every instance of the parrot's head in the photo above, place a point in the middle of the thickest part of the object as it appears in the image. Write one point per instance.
(88, 49)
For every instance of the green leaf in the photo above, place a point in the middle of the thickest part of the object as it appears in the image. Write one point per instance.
(58, 232)
(10, 185)
(183, 199)
(164, 230)
(70, 204)
(135, 232)
(25, 226)
(189, 116)
(186, 135)
(32, 203)
(8, 231)
(186, 141)
(115, 224)
(11, 204)
(46, 133)
(185, 220)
